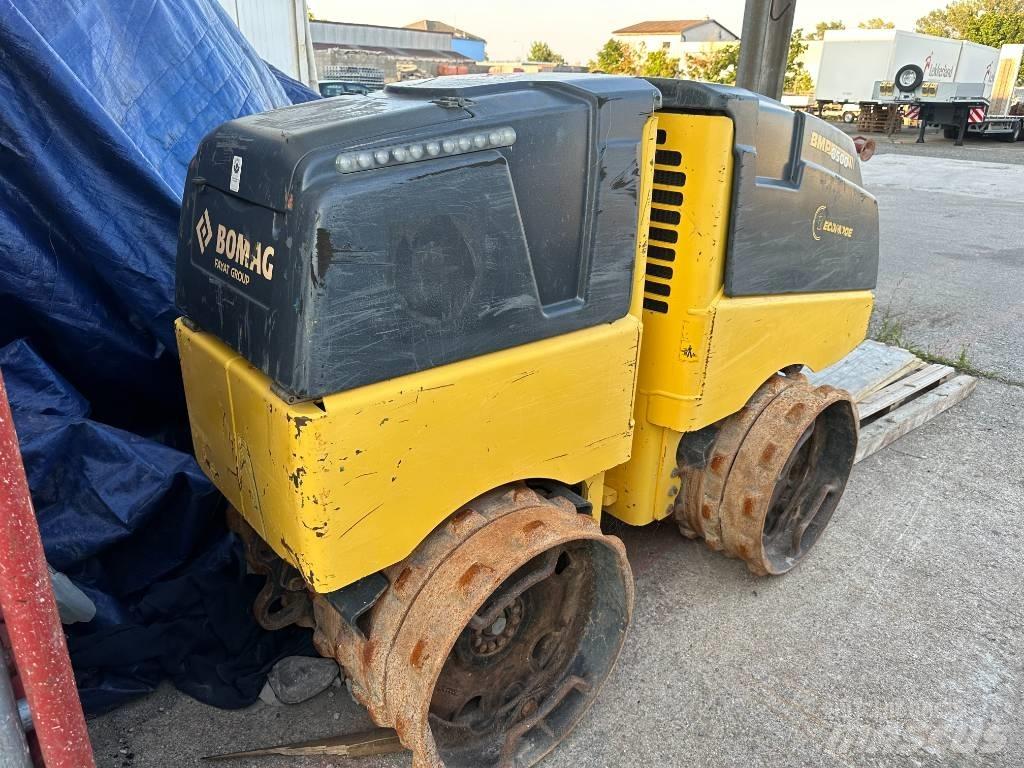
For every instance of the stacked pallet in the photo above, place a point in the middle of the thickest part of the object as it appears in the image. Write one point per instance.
(880, 118)
(895, 391)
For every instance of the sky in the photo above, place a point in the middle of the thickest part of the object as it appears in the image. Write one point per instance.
(577, 29)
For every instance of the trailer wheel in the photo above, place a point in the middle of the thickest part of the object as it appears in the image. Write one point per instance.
(848, 117)
(949, 131)
(909, 77)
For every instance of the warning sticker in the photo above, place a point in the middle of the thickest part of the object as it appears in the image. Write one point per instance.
(236, 172)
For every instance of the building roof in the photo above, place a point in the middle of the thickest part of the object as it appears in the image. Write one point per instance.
(663, 27)
(439, 26)
(400, 53)
(368, 26)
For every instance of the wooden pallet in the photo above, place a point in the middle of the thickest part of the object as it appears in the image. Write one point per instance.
(896, 392)
(917, 407)
(880, 118)
(869, 367)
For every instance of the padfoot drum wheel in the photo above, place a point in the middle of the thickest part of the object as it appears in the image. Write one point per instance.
(762, 484)
(494, 636)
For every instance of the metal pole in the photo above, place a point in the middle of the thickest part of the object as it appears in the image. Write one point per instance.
(755, 22)
(764, 45)
(30, 615)
(776, 47)
(13, 745)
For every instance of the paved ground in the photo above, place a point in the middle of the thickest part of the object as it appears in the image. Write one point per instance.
(952, 265)
(974, 148)
(900, 642)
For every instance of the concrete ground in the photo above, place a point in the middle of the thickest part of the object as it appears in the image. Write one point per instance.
(934, 145)
(952, 269)
(898, 642)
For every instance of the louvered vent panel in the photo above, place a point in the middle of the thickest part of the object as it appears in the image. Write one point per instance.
(663, 235)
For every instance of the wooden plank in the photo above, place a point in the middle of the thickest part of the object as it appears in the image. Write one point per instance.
(867, 368)
(900, 390)
(875, 436)
(379, 741)
(913, 366)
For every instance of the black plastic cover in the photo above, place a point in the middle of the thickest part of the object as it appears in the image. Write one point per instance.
(801, 220)
(386, 271)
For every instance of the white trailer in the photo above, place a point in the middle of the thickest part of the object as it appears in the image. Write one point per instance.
(980, 107)
(852, 61)
(978, 65)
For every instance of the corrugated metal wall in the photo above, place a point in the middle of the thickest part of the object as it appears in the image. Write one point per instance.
(277, 29)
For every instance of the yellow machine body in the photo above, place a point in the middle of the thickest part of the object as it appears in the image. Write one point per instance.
(704, 354)
(347, 485)
(348, 488)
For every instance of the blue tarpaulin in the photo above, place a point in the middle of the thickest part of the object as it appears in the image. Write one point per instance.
(102, 105)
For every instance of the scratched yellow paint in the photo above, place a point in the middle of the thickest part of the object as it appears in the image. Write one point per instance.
(347, 489)
(703, 358)
(351, 485)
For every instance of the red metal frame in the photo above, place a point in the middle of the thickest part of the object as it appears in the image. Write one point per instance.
(30, 613)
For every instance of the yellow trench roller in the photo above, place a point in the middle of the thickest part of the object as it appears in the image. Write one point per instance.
(497, 308)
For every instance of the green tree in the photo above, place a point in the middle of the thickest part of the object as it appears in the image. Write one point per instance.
(989, 22)
(876, 23)
(716, 65)
(659, 64)
(797, 79)
(541, 51)
(824, 26)
(798, 82)
(719, 65)
(616, 58)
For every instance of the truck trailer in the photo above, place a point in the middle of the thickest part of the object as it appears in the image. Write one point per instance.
(852, 61)
(981, 107)
(432, 335)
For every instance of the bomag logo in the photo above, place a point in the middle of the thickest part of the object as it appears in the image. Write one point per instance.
(822, 224)
(204, 231)
(242, 260)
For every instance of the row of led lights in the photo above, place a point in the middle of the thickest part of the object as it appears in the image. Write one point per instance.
(349, 162)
